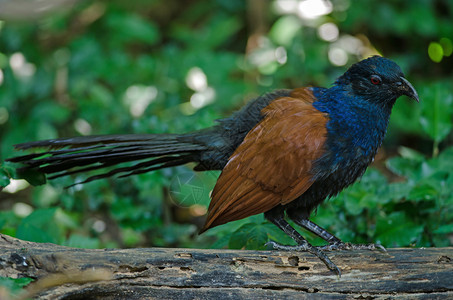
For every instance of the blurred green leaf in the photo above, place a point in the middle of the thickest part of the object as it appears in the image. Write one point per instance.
(79, 241)
(132, 28)
(8, 218)
(410, 154)
(352, 201)
(4, 178)
(14, 285)
(221, 241)
(399, 190)
(405, 167)
(276, 235)
(423, 192)
(38, 227)
(220, 30)
(397, 230)
(445, 160)
(437, 111)
(249, 236)
(443, 229)
(284, 30)
(34, 177)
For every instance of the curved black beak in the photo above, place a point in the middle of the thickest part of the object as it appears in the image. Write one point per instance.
(406, 88)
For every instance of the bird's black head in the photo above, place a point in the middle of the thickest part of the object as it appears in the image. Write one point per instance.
(378, 79)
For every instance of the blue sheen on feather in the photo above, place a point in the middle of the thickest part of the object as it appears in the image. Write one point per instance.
(358, 114)
(389, 70)
(356, 127)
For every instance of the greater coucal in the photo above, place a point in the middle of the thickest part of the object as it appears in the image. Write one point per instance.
(286, 151)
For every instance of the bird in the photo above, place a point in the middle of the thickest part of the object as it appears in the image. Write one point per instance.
(283, 154)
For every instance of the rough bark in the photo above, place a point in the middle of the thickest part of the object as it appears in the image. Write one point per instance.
(69, 273)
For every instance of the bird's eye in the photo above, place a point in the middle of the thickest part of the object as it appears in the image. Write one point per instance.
(375, 79)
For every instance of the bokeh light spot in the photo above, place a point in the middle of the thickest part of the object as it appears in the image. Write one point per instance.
(447, 46)
(435, 52)
(328, 32)
(17, 60)
(312, 9)
(20, 66)
(4, 115)
(138, 98)
(338, 56)
(82, 127)
(203, 98)
(15, 185)
(99, 226)
(22, 210)
(281, 55)
(196, 79)
(285, 6)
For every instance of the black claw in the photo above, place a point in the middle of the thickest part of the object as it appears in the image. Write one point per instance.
(270, 243)
(381, 248)
(337, 271)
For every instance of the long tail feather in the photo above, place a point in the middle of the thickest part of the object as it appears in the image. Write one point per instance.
(69, 156)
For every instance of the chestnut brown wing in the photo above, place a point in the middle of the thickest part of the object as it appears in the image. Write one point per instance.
(272, 165)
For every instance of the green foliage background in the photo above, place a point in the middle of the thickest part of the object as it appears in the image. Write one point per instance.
(85, 67)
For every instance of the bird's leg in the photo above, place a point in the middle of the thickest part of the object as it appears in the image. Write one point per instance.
(334, 242)
(302, 244)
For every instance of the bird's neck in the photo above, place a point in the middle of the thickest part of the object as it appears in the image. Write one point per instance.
(359, 122)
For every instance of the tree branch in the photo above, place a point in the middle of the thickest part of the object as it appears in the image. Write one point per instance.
(62, 272)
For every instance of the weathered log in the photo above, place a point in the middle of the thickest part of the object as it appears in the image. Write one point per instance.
(69, 273)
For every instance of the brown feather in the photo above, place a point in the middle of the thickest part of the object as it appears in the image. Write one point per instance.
(272, 165)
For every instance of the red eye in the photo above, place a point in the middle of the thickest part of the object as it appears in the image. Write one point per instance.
(375, 79)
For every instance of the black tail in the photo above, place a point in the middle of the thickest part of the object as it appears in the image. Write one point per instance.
(73, 155)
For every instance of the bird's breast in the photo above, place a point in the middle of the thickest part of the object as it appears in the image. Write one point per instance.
(354, 135)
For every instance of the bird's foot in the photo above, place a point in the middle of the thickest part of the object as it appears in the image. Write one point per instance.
(349, 246)
(304, 247)
(307, 247)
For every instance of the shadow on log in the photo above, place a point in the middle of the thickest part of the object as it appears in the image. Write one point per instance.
(69, 273)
